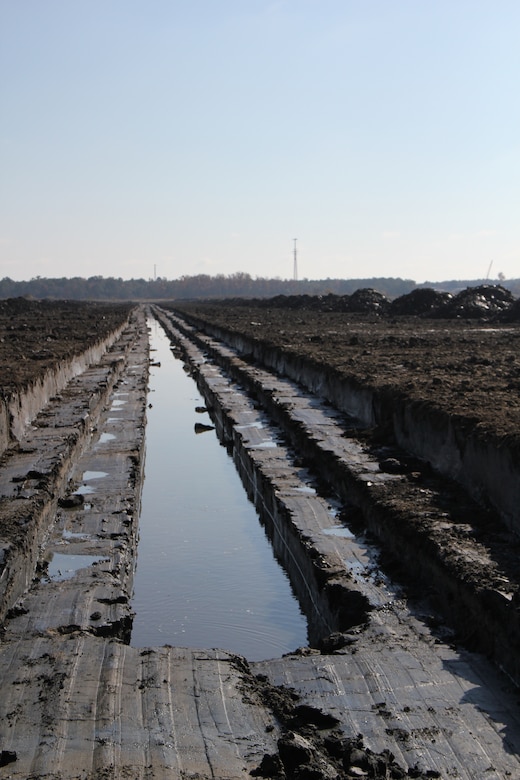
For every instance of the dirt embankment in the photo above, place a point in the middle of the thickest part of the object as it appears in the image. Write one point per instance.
(80, 703)
(36, 335)
(467, 368)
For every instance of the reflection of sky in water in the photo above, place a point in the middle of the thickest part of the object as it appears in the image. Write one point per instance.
(339, 531)
(206, 575)
(106, 437)
(64, 567)
(84, 490)
(88, 475)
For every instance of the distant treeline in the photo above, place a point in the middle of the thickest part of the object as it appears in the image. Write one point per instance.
(219, 286)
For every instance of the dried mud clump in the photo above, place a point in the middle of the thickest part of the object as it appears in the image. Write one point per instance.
(312, 747)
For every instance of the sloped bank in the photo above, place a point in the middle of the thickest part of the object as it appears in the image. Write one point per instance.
(467, 578)
(34, 470)
(44, 345)
(332, 601)
(79, 703)
(486, 465)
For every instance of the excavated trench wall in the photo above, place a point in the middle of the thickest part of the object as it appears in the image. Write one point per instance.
(17, 566)
(18, 409)
(484, 614)
(489, 470)
(330, 606)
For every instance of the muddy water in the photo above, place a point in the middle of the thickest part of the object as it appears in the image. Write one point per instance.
(206, 575)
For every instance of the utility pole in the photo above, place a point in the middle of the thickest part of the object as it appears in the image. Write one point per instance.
(295, 269)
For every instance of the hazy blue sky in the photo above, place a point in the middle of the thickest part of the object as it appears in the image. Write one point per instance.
(202, 136)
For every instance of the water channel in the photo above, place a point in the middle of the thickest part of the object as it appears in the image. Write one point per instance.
(206, 575)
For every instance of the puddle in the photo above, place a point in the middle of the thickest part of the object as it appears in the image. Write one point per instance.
(358, 568)
(105, 437)
(206, 575)
(84, 490)
(256, 424)
(63, 567)
(339, 531)
(88, 475)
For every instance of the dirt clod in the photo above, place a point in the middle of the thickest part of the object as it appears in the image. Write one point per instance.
(7, 757)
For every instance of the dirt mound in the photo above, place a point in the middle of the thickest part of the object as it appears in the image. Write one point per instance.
(16, 306)
(512, 314)
(305, 302)
(367, 301)
(422, 302)
(486, 301)
(483, 302)
(363, 301)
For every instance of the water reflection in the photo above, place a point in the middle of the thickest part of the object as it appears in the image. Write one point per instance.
(206, 575)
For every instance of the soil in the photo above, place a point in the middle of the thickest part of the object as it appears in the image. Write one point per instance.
(37, 335)
(466, 366)
(468, 369)
(311, 745)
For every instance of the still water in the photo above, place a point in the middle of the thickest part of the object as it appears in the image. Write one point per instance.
(206, 575)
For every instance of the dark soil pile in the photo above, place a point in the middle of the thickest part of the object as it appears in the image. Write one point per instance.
(486, 302)
(422, 302)
(36, 335)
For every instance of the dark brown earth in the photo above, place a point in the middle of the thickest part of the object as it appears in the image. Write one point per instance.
(312, 746)
(467, 366)
(37, 335)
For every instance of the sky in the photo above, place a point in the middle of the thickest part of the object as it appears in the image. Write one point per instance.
(143, 138)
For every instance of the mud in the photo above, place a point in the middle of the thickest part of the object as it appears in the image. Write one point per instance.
(312, 745)
(411, 577)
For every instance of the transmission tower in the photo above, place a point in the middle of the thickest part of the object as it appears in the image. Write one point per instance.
(295, 268)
